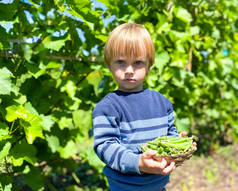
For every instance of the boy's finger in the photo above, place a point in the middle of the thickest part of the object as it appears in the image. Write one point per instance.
(194, 143)
(149, 153)
(183, 134)
(169, 168)
(163, 163)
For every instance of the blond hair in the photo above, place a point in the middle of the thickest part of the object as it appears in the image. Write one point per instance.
(131, 40)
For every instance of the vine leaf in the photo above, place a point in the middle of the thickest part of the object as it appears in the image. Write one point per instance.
(4, 150)
(6, 86)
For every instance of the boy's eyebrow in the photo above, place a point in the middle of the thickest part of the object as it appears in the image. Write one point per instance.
(116, 60)
(141, 58)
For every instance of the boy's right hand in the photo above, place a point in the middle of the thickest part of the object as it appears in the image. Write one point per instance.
(148, 165)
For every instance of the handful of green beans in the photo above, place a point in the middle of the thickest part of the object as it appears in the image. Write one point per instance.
(169, 146)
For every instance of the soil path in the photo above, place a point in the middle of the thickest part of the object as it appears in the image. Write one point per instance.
(208, 173)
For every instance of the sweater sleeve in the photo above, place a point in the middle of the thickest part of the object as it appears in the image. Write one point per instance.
(107, 141)
(172, 131)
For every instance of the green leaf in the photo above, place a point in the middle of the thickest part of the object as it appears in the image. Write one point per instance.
(17, 161)
(152, 79)
(32, 127)
(194, 30)
(8, 187)
(69, 150)
(101, 37)
(54, 65)
(4, 132)
(53, 142)
(23, 151)
(105, 2)
(70, 88)
(59, 3)
(30, 108)
(47, 122)
(94, 161)
(34, 179)
(176, 35)
(54, 45)
(3, 129)
(161, 60)
(34, 69)
(27, 52)
(94, 79)
(7, 11)
(178, 63)
(4, 43)
(183, 14)
(183, 124)
(21, 99)
(6, 86)
(16, 111)
(212, 113)
(82, 119)
(65, 122)
(4, 150)
(84, 11)
(168, 73)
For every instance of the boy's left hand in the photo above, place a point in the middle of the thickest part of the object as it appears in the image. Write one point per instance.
(184, 134)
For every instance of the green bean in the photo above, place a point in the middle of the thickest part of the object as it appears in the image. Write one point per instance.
(167, 145)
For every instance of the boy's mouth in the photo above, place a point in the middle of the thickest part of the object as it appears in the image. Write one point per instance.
(130, 80)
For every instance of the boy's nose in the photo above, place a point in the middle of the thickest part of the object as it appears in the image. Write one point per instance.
(129, 69)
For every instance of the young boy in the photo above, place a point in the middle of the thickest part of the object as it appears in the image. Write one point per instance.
(130, 116)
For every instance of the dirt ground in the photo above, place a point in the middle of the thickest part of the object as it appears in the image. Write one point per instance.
(208, 173)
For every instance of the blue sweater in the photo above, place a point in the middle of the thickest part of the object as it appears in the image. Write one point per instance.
(122, 122)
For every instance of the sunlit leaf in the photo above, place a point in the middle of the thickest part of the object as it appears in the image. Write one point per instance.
(47, 122)
(161, 60)
(183, 124)
(70, 88)
(69, 150)
(32, 127)
(14, 112)
(4, 149)
(94, 79)
(54, 45)
(6, 86)
(65, 122)
(4, 132)
(183, 14)
(53, 142)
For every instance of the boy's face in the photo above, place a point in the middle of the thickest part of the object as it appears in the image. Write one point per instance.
(129, 73)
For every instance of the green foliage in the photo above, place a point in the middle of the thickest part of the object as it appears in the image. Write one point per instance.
(51, 77)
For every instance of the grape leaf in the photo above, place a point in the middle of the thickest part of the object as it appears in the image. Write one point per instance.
(6, 86)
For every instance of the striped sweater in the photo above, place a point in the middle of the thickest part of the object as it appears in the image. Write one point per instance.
(122, 121)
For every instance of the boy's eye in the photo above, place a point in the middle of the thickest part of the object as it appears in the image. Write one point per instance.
(138, 62)
(120, 62)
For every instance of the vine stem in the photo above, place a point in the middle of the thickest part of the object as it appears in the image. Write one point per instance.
(15, 129)
(11, 127)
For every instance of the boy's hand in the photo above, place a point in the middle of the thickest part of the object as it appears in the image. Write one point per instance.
(184, 134)
(148, 165)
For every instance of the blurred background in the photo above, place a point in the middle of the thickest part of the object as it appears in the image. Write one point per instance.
(52, 74)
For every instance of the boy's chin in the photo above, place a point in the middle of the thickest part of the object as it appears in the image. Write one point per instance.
(131, 89)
